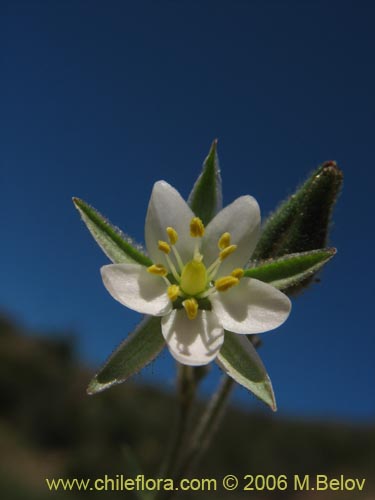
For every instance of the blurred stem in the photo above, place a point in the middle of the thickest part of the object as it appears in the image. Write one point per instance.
(201, 438)
(186, 387)
(207, 426)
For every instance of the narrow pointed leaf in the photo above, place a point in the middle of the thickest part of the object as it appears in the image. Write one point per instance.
(135, 352)
(302, 222)
(289, 271)
(239, 359)
(206, 196)
(118, 247)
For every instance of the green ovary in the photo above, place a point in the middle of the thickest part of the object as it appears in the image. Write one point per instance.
(194, 278)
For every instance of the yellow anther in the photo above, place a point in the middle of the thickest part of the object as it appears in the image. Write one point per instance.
(164, 247)
(158, 269)
(172, 235)
(191, 308)
(196, 228)
(224, 241)
(223, 284)
(238, 273)
(227, 251)
(173, 292)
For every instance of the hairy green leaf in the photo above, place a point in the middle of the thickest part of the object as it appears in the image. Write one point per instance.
(302, 222)
(289, 271)
(239, 359)
(206, 196)
(118, 247)
(135, 352)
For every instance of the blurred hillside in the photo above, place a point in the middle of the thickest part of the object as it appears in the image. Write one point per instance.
(49, 427)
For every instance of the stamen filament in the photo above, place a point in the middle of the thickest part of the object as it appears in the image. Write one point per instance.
(172, 268)
(213, 265)
(197, 255)
(168, 283)
(178, 258)
(213, 269)
(207, 293)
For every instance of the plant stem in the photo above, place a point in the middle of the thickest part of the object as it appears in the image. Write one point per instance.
(186, 388)
(176, 467)
(207, 426)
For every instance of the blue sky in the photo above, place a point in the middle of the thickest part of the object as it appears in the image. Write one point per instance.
(100, 100)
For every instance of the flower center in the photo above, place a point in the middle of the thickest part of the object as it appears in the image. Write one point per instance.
(193, 280)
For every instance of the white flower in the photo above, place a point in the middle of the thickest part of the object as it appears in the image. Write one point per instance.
(196, 282)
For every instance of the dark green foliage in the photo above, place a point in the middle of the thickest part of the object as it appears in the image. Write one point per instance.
(243, 364)
(115, 244)
(302, 222)
(134, 353)
(206, 198)
(289, 271)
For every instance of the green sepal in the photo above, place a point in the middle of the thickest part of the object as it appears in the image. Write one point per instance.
(289, 271)
(302, 222)
(118, 247)
(206, 196)
(133, 354)
(240, 361)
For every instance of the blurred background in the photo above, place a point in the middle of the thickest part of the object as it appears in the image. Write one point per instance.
(100, 100)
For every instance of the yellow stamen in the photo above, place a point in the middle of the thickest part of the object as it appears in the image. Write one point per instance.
(191, 308)
(224, 241)
(163, 246)
(178, 258)
(196, 228)
(172, 235)
(227, 251)
(172, 268)
(223, 284)
(238, 273)
(213, 268)
(158, 270)
(173, 292)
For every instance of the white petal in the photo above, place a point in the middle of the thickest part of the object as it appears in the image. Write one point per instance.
(168, 209)
(193, 342)
(242, 220)
(251, 307)
(136, 288)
